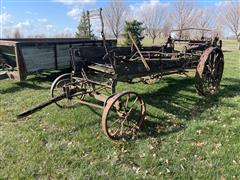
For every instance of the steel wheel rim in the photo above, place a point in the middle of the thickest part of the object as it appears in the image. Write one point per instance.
(126, 126)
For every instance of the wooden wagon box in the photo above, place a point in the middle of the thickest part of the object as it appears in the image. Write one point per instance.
(31, 55)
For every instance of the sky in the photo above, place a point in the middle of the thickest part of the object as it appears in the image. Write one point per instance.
(51, 17)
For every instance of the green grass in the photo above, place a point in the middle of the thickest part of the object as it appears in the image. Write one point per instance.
(185, 136)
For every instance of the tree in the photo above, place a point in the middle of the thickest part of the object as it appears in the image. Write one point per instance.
(84, 27)
(153, 18)
(167, 27)
(17, 34)
(135, 29)
(115, 15)
(204, 20)
(232, 19)
(184, 15)
(219, 24)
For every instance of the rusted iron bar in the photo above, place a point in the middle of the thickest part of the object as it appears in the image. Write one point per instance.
(40, 106)
(91, 104)
(98, 83)
(100, 97)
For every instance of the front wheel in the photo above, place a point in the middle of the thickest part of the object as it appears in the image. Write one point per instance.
(123, 115)
(62, 81)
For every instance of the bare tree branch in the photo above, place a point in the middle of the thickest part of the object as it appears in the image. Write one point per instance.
(114, 16)
(167, 27)
(204, 20)
(184, 14)
(17, 34)
(153, 18)
(232, 19)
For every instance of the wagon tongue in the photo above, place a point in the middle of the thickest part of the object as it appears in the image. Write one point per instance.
(40, 106)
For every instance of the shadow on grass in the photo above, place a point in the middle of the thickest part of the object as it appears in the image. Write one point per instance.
(181, 106)
(50, 76)
(178, 107)
(33, 82)
(177, 100)
(19, 86)
(161, 127)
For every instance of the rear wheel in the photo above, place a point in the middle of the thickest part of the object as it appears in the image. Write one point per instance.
(209, 71)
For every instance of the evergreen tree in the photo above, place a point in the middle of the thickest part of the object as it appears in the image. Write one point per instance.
(83, 27)
(135, 28)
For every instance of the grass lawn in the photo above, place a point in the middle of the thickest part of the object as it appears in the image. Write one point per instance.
(185, 136)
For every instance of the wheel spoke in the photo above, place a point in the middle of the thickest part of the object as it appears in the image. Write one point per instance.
(115, 122)
(126, 103)
(209, 68)
(135, 123)
(121, 130)
(134, 102)
(215, 58)
(115, 132)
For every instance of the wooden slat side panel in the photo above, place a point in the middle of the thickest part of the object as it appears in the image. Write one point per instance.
(87, 44)
(38, 58)
(63, 61)
(63, 56)
(42, 57)
(37, 50)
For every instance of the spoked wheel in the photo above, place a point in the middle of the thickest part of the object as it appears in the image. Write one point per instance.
(123, 115)
(209, 71)
(65, 80)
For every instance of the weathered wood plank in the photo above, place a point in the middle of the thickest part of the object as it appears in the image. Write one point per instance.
(62, 53)
(32, 52)
(39, 62)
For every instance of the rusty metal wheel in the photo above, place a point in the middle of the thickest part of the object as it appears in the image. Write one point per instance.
(123, 115)
(209, 71)
(63, 81)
